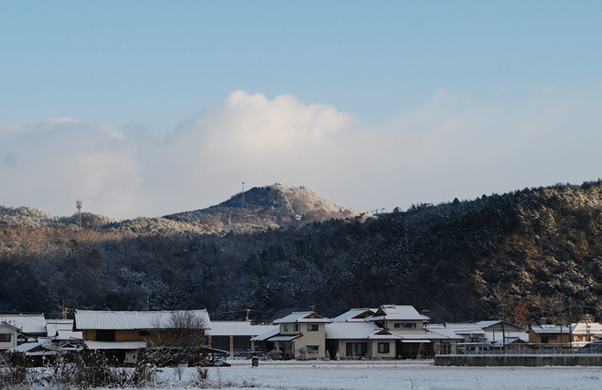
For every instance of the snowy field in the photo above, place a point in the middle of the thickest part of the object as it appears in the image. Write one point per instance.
(377, 376)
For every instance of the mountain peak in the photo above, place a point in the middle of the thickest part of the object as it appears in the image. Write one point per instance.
(271, 206)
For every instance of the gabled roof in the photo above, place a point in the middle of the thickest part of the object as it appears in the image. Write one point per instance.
(355, 315)
(592, 328)
(550, 329)
(357, 331)
(26, 323)
(131, 320)
(398, 313)
(487, 324)
(62, 330)
(6, 325)
(302, 317)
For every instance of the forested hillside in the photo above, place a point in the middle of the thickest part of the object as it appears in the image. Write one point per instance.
(528, 255)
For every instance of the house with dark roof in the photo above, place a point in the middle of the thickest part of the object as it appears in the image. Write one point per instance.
(549, 336)
(122, 334)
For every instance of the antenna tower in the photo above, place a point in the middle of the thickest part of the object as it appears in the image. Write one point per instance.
(78, 205)
(243, 194)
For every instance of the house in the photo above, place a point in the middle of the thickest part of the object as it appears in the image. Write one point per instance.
(122, 334)
(485, 335)
(236, 337)
(550, 336)
(414, 338)
(504, 335)
(62, 331)
(299, 335)
(29, 326)
(8, 336)
(585, 332)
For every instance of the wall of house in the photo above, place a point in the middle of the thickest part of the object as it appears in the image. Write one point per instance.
(312, 338)
(155, 337)
(292, 328)
(374, 348)
(8, 330)
(536, 338)
(401, 329)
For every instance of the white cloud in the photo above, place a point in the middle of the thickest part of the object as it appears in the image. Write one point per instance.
(449, 147)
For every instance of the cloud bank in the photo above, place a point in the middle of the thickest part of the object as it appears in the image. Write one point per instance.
(451, 146)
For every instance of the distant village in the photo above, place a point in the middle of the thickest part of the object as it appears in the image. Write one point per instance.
(387, 332)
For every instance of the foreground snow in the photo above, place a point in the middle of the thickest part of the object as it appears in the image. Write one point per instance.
(387, 376)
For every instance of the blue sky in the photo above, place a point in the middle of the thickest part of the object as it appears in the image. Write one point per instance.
(138, 108)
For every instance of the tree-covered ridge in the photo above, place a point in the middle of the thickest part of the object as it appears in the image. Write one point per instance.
(526, 256)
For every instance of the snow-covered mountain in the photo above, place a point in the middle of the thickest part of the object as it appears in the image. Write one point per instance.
(257, 209)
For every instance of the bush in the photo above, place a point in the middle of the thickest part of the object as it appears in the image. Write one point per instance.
(16, 372)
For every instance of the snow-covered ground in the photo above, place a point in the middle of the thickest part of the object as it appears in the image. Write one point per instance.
(377, 376)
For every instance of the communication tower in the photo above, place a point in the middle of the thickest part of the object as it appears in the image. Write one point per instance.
(78, 205)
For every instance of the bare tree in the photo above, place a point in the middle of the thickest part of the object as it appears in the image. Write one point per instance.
(188, 329)
(179, 340)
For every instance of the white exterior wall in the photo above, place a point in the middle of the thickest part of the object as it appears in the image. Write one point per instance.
(317, 338)
(5, 329)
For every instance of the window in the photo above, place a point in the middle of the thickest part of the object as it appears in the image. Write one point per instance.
(445, 348)
(312, 327)
(286, 328)
(296, 327)
(313, 348)
(404, 325)
(105, 335)
(5, 337)
(242, 343)
(220, 342)
(144, 333)
(356, 349)
(383, 347)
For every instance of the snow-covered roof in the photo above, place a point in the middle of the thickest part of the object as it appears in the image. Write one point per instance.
(354, 315)
(458, 328)
(121, 320)
(398, 313)
(62, 330)
(550, 329)
(237, 328)
(25, 347)
(486, 324)
(122, 345)
(592, 328)
(442, 333)
(302, 316)
(275, 329)
(6, 325)
(356, 331)
(492, 337)
(285, 337)
(26, 323)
